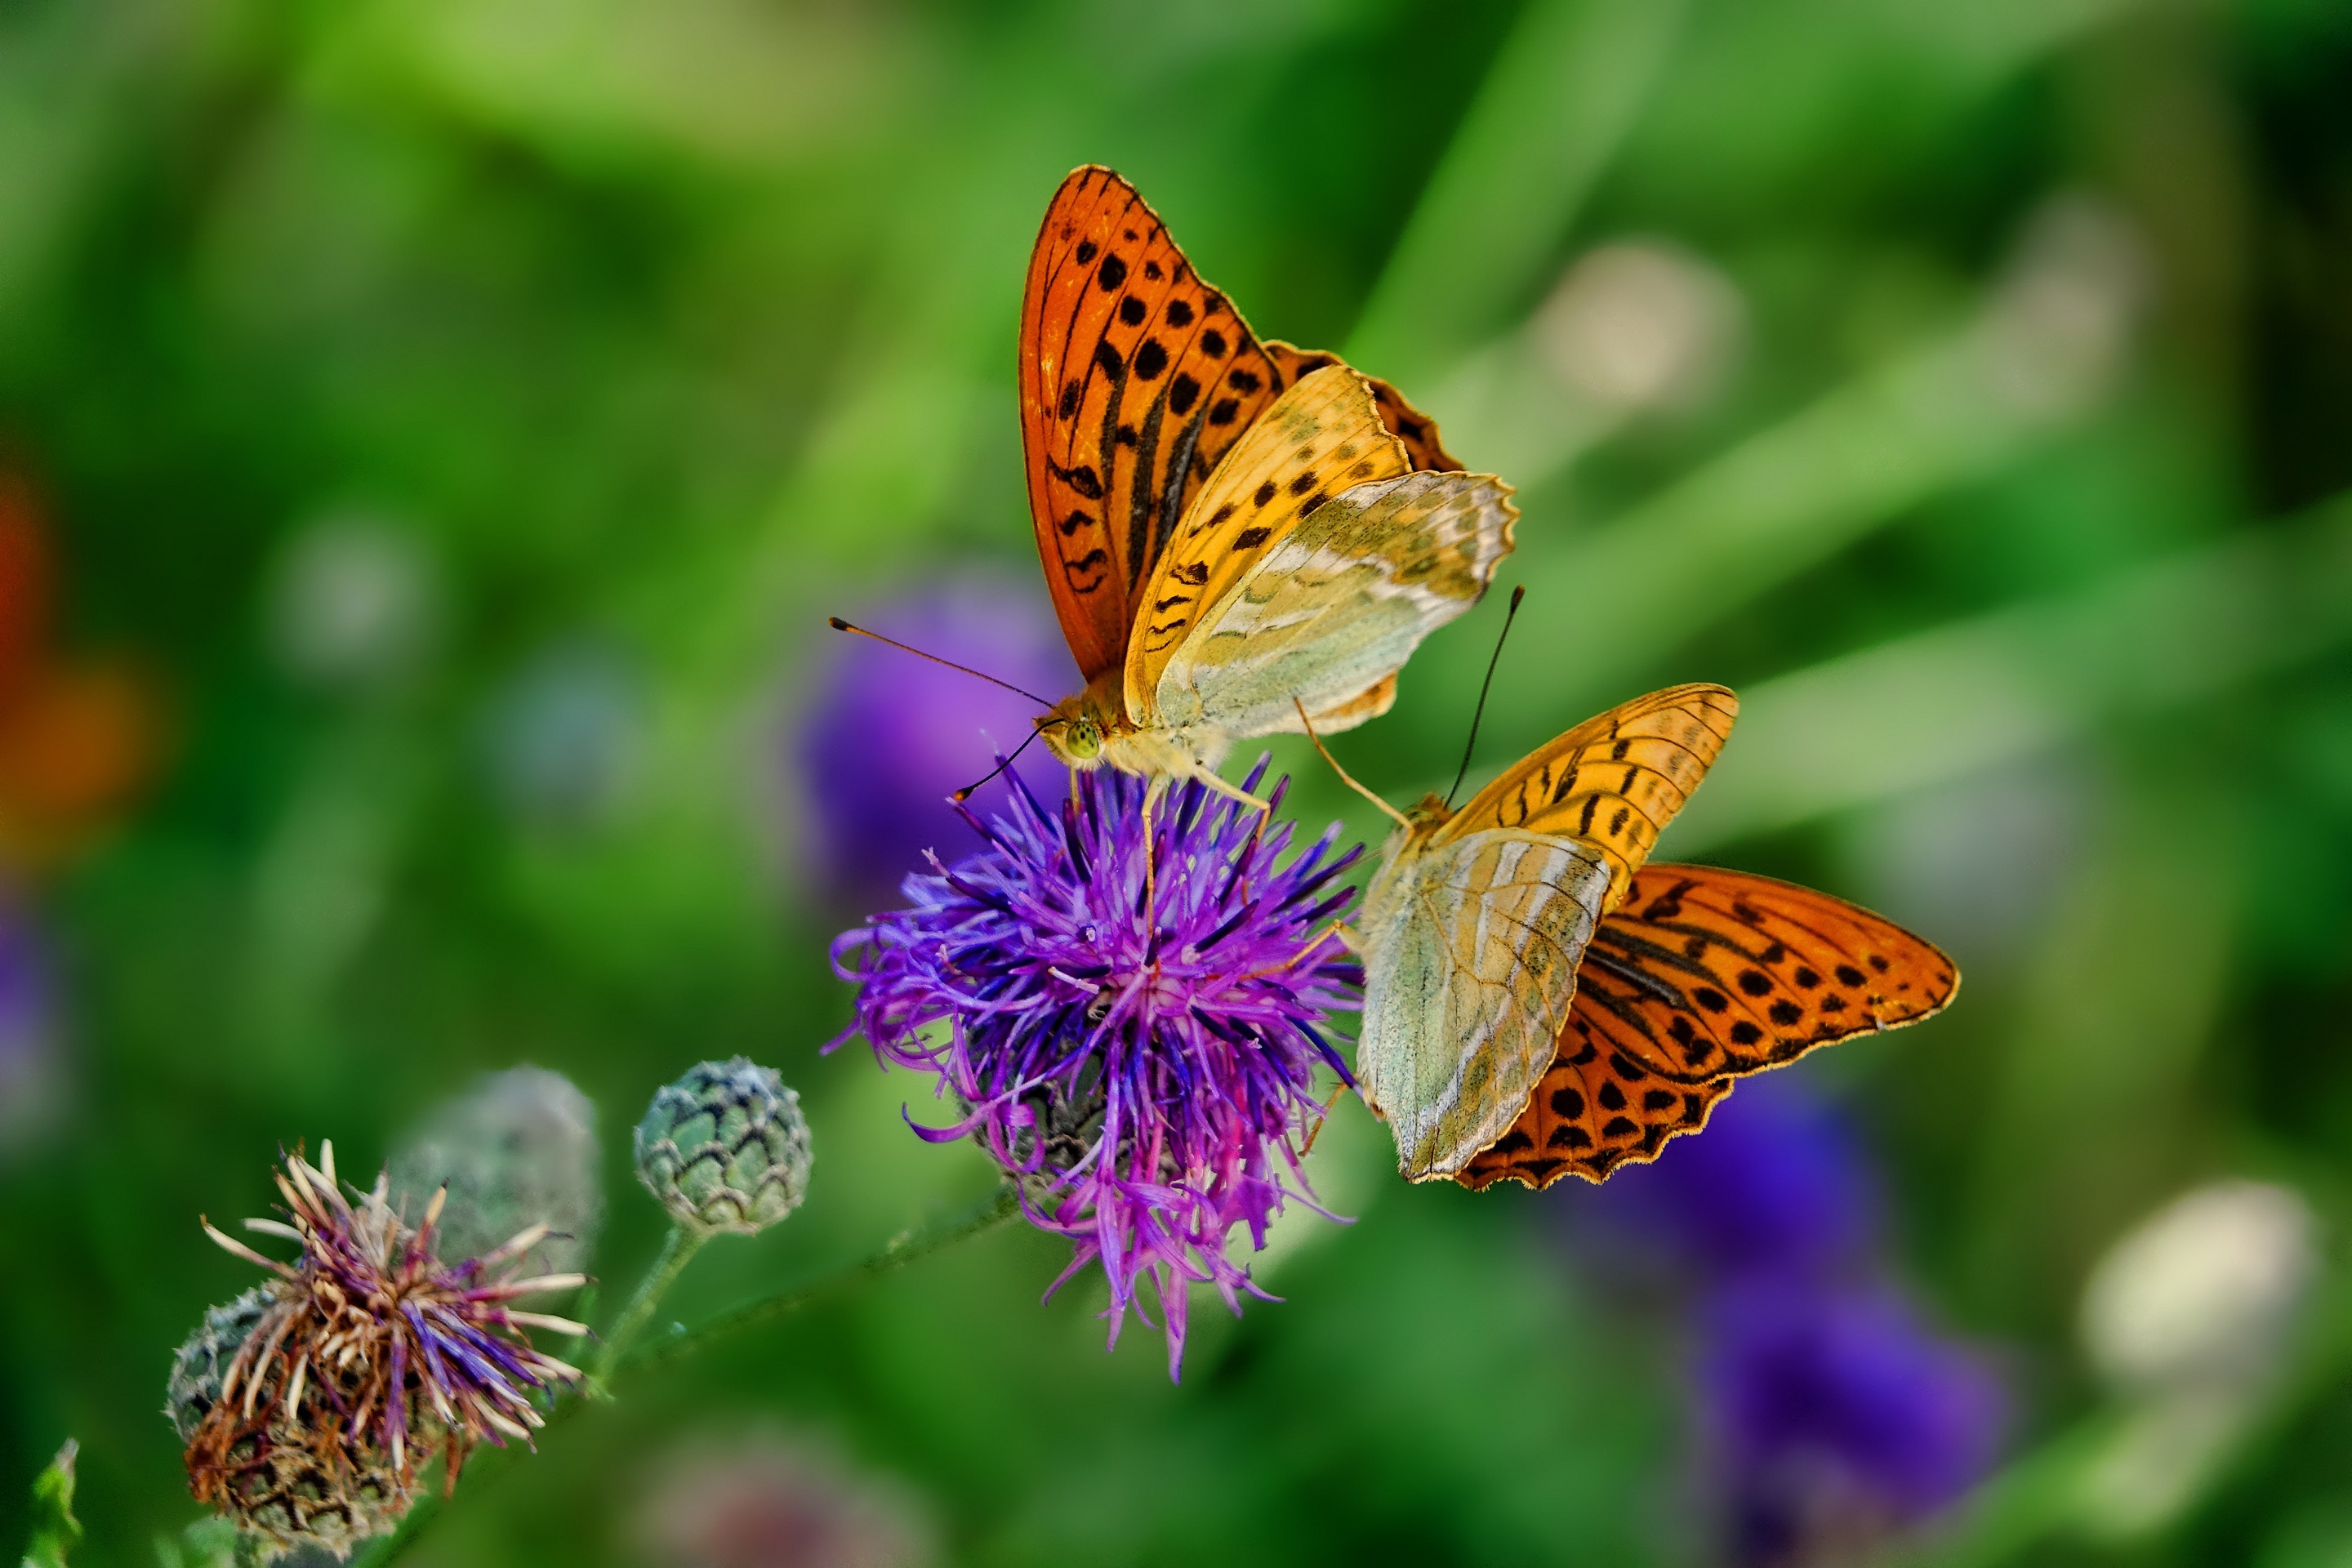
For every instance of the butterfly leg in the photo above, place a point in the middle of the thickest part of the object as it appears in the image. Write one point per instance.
(1317, 1130)
(1233, 792)
(1151, 792)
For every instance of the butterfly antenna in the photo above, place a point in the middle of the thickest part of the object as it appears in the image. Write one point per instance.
(1471, 745)
(837, 624)
(966, 792)
(1345, 777)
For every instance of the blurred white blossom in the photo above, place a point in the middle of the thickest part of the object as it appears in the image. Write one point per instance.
(2188, 1318)
(2058, 332)
(565, 733)
(356, 603)
(2204, 1290)
(1641, 325)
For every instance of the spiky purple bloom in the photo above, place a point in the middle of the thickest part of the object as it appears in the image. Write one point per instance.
(889, 735)
(1837, 1416)
(1148, 1081)
(370, 1345)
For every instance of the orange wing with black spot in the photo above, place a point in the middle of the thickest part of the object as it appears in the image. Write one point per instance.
(1702, 977)
(1135, 377)
(1615, 781)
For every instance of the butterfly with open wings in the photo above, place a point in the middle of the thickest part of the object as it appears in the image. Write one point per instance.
(1232, 529)
(1539, 1001)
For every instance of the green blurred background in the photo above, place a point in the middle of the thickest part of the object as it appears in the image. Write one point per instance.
(1968, 386)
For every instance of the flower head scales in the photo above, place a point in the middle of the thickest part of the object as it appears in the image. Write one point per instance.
(367, 1353)
(1145, 1078)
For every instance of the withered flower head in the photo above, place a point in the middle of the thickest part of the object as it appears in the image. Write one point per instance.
(307, 1415)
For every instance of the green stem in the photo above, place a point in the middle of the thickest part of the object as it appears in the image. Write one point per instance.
(678, 1250)
(907, 1247)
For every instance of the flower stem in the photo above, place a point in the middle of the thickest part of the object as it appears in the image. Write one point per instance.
(678, 1250)
(907, 1247)
(615, 1360)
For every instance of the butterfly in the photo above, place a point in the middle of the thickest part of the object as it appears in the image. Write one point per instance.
(1480, 1047)
(1474, 924)
(1233, 530)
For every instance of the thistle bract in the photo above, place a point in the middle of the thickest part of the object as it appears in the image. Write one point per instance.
(725, 1148)
(1147, 1077)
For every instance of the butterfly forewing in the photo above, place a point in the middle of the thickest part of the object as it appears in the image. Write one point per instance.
(1615, 781)
(1701, 977)
(1135, 378)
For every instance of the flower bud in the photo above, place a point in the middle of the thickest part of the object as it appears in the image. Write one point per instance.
(517, 1149)
(725, 1148)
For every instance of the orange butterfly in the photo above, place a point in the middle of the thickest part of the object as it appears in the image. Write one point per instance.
(1700, 978)
(1231, 529)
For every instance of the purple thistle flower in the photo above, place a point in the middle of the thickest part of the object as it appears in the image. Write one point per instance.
(1145, 1080)
(370, 1345)
(1838, 1417)
(890, 735)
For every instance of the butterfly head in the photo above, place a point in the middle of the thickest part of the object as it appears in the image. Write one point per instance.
(1073, 732)
(1427, 816)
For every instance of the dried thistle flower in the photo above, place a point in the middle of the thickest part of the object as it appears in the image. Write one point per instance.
(309, 1404)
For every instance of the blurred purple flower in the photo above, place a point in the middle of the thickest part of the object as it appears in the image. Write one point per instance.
(1144, 1078)
(1776, 1183)
(28, 1038)
(891, 735)
(1838, 1417)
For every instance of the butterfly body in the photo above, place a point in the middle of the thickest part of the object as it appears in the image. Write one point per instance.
(1092, 729)
(1231, 529)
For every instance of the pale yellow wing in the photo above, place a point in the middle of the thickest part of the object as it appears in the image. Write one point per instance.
(1322, 437)
(1471, 947)
(1613, 782)
(1334, 607)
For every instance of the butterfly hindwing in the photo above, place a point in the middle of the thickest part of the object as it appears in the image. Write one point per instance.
(1417, 430)
(1135, 377)
(1471, 952)
(1321, 437)
(1701, 977)
(1333, 608)
(1615, 781)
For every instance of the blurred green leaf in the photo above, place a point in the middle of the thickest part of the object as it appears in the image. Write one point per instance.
(56, 1532)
